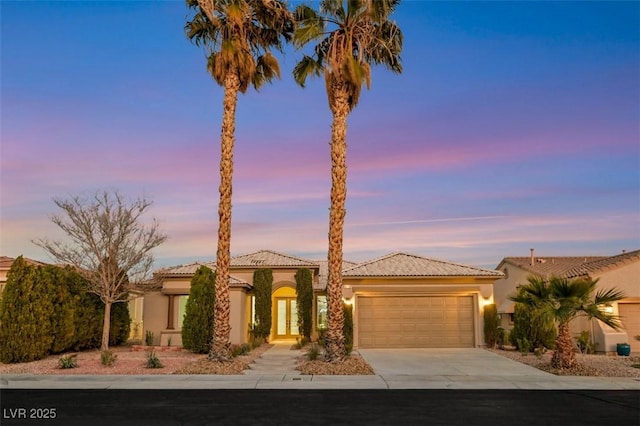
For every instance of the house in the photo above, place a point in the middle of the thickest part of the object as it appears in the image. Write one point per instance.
(5, 265)
(621, 271)
(399, 300)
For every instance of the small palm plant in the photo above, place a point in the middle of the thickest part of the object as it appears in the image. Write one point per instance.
(562, 300)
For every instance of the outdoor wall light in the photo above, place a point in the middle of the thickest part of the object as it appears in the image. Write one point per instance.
(608, 309)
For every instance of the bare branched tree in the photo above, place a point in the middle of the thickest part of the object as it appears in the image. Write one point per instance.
(108, 244)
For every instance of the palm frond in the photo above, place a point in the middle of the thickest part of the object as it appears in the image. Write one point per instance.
(307, 67)
(604, 296)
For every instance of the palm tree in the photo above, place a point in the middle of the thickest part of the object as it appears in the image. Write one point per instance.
(238, 36)
(351, 36)
(562, 300)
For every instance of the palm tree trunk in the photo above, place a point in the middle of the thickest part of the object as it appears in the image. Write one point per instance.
(221, 345)
(563, 356)
(106, 327)
(335, 348)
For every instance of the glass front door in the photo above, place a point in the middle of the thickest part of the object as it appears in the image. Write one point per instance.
(286, 318)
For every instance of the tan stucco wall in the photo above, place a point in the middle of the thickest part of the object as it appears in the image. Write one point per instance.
(155, 315)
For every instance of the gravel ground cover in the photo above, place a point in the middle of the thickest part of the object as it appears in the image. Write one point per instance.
(587, 365)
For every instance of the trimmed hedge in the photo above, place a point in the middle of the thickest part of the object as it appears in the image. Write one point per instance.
(304, 290)
(47, 309)
(347, 328)
(262, 286)
(491, 323)
(198, 324)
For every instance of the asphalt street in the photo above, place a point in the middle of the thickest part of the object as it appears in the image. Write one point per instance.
(319, 407)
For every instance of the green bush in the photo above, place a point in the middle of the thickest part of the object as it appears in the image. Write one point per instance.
(585, 345)
(262, 286)
(243, 349)
(108, 358)
(491, 324)
(347, 329)
(529, 325)
(314, 352)
(304, 290)
(25, 315)
(197, 327)
(153, 361)
(51, 311)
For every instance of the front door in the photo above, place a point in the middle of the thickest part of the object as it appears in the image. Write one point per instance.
(286, 318)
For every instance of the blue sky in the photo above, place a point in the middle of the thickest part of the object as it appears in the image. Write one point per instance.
(514, 125)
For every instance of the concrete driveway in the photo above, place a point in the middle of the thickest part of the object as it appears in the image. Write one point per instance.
(469, 362)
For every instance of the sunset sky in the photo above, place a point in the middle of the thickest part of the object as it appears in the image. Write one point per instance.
(514, 125)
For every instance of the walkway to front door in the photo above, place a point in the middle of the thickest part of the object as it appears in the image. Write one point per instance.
(286, 318)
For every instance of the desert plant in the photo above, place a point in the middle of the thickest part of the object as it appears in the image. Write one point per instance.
(314, 352)
(262, 286)
(148, 338)
(561, 300)
(529, 324)
(108, 358)
(68, 361)
(491, 323)
(152, 360)
(242, 349)
(584, 342)
(304, 302)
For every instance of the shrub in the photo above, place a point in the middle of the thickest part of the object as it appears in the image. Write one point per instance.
(530, 325)
(243, 349)
(25, 315)
(108, 358)
(503, 337)
(491, 323)
(262, 286)
(197, 327)
(65, 304)
(148, 338)
(304, 302)
(68, 361)
(120, 323)
(524, 345)
(153, 361)
(314, 352)
(585, 345)
(347, 329)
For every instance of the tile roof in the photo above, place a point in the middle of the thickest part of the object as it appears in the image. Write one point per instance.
(548, 266)
(603, 264)
(6, 262)
(191, 268)
(408, 265)
(324, 272)
(571, 266)
(271, 259)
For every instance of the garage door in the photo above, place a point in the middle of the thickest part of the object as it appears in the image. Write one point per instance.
(630, 317)
(415, 322)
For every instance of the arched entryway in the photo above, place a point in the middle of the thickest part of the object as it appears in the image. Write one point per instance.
(285, 314)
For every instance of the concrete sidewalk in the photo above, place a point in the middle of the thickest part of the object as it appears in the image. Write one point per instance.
(395, 369)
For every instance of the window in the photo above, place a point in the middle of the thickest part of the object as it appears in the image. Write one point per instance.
(182, 309)
(321, 312)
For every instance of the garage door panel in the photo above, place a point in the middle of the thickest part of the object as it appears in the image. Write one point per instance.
(630, 318)
(416, 321)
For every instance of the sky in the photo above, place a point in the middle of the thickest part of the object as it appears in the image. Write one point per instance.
(514, 125)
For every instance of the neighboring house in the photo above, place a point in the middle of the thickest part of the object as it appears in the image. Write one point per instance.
(621, 271)
(5, 265)
(399, 300)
